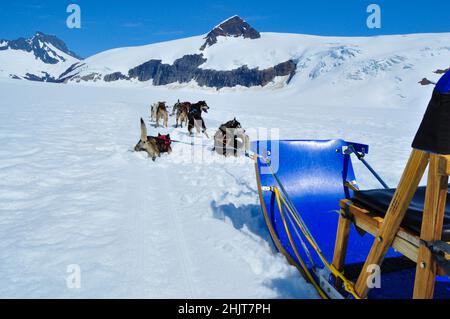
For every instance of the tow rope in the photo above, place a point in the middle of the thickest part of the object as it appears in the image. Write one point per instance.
(302, 263)
(348, 285)
(246, 153)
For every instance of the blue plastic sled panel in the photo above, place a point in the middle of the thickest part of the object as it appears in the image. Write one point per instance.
(313, 174)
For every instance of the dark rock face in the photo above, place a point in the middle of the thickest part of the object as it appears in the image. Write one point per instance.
(45, 77)
(73, 67)
(146, 71)
(183, 70)
(38, 44)
(94, 77)
(187, 68)
(425, 81)
(56, 42)
(439, 71)
(115, 77)
(233, 27)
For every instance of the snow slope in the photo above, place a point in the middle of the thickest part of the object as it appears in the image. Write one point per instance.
(20, 63)
(123, 59)
(187, 226)
(350, 60)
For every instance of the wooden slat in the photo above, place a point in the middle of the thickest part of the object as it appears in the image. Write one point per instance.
(409, 182)
(405, 241)
(432, 223)
(340, 249)
(444, 165)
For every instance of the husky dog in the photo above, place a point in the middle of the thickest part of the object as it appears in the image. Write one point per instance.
(147, 143)
(153, 145)
(162, 114)
(183, 113)
(175, 108)
(195, 117)
(231, 139)
(153, 109)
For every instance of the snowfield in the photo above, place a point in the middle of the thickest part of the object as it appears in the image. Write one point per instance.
(189, 225)
(73, 193)
(348, 61)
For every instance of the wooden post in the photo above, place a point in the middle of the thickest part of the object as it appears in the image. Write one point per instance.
(340, 249)
(432, 223)
(444, 165)
(407, 187)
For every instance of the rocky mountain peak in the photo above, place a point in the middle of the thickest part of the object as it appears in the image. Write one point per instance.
(232, 27)
(55, 41)
(43, 46)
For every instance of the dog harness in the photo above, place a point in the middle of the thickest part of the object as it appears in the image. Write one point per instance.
(165, 141)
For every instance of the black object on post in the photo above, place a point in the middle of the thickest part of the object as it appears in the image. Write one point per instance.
(434, 132)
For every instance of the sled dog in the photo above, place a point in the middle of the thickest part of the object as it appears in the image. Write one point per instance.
(153, 145)
(162, 114)
(147, 143)
(195, 117)
(230, 139)
(183, 113)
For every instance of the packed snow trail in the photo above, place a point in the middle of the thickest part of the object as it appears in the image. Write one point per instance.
(72, 192)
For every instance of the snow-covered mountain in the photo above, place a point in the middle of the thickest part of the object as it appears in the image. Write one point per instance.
(39, 58)
(234, 54)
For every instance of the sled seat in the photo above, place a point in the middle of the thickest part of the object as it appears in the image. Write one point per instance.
(367, 211)
(406, 241)
(378, 200)
(416, 223)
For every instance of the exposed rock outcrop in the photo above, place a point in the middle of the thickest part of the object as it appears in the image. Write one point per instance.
(425, 81)
(116, 76)
(64, 76)
(439, 71)
(232, 27)
(188, 68)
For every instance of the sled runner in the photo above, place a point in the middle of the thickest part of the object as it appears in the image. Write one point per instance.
(339, 236)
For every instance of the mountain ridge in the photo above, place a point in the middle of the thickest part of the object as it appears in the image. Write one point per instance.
(31, 44)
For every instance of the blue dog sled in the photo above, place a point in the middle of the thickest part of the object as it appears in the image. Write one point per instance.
(313, 178)
(350, 243)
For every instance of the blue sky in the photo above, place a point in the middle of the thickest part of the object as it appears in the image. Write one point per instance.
(114, 23)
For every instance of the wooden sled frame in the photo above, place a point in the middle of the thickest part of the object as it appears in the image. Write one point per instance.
(387, 230)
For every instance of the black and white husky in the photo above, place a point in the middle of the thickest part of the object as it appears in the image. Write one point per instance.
(195, 117)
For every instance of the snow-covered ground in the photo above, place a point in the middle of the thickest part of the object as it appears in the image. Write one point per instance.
(72, 192)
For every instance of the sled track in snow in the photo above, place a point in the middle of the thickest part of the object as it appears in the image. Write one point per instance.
(186, 263)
